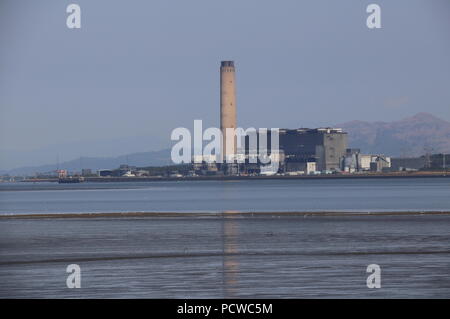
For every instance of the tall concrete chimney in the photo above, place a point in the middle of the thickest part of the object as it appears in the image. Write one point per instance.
(227, 106)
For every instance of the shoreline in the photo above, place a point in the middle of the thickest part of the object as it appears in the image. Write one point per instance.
(218, 215)
(438, 174)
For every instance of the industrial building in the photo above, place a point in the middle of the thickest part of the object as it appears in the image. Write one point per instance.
(353, 161)
(300, 150)
(324, 146)
(409, 163)
(428, 161)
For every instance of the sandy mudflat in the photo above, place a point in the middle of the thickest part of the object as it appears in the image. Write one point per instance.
(222, 214)
(297, 255)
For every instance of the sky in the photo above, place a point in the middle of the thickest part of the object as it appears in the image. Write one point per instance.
(136, 70)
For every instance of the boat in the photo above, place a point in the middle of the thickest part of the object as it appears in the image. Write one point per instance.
(70, 179)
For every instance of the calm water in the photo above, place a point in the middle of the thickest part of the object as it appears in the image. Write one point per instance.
(225, 255)
(296, 257)
(419, 194)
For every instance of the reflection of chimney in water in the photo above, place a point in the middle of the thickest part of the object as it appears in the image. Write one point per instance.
(230, 258)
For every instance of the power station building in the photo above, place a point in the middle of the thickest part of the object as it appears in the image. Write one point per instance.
(298, 148)
(325, 146)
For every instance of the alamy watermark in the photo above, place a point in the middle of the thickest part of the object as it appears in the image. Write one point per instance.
(73, 20)
(211, 145)
(74, 279)
(374, 279)
(374, 19)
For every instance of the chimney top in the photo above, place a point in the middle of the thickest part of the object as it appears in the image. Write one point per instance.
(227, 64)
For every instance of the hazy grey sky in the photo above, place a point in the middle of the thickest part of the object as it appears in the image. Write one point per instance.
(142, 68)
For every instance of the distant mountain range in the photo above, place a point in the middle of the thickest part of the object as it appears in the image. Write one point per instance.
(412, 136)
(142, 159)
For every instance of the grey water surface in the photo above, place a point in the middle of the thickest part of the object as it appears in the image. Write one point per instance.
(227, 255)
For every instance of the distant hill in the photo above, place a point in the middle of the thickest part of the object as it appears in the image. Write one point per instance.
(66, 151)
(408, 137)
(155, 158)
(412, 136)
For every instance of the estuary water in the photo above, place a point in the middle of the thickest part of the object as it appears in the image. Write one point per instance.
(366, 195)
(227, 255)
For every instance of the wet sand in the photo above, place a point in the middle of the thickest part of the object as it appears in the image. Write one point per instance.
(225, 255)
(233, 214)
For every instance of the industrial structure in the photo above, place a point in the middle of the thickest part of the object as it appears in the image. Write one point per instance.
(324, 146)
(300, 150)
(304, 150)
(353, 161)
(228, 109)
